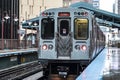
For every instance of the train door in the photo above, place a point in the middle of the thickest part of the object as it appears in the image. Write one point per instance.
(64, 39)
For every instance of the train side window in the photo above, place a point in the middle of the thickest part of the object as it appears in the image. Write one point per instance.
(81, 29)
(47, 28)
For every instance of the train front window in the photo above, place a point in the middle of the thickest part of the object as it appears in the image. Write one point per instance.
(47, 28)
(64, 26)
(81, 29)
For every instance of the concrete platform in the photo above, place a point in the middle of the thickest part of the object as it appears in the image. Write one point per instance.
(106, 66)
(9, 58)
(8, 52)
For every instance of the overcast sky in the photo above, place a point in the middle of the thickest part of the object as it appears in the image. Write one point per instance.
(107, 5)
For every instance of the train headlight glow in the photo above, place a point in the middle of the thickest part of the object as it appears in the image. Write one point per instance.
(43, 14)
(50, 47)
(44, 47)
(86, 13)
(84, 47)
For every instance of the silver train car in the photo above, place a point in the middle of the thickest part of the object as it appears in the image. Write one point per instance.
(69, 38)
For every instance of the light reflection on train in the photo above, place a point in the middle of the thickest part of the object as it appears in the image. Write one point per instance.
(69, 39)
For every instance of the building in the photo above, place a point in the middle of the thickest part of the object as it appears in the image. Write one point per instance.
(9, 16)
(116, 10)
(117, 7)
(66, 3)
(113, 36)
(9, 23)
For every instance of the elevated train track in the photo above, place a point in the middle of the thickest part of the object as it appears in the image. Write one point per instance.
(20, 71)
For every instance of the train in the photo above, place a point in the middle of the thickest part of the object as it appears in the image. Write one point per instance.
(69, 39)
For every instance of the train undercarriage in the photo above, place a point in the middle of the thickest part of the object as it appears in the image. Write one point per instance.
(63, 70)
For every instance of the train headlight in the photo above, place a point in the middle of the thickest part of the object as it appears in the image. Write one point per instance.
(84, 47)
(75, 13)
(77, 47)
(86, 13)
(44, 47)
(50, 47)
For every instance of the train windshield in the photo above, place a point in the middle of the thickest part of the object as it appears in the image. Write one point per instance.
(47, 28)
(64, 27)
(81, 29)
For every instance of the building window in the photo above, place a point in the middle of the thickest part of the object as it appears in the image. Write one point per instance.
(21, 9)
(28, 2)
(40, 8)
(30, 8)
(33, 2)
(42, 2)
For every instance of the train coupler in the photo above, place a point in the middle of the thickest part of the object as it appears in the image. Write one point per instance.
(63, 71)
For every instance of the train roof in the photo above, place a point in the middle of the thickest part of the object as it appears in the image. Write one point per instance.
(64, 9)
(31, 23)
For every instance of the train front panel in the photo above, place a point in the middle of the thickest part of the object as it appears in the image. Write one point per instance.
(64, 34)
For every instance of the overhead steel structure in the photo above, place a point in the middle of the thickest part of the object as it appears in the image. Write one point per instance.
(104, 18)
(31, 23)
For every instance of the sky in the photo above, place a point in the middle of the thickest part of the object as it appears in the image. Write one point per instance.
(107, 5)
